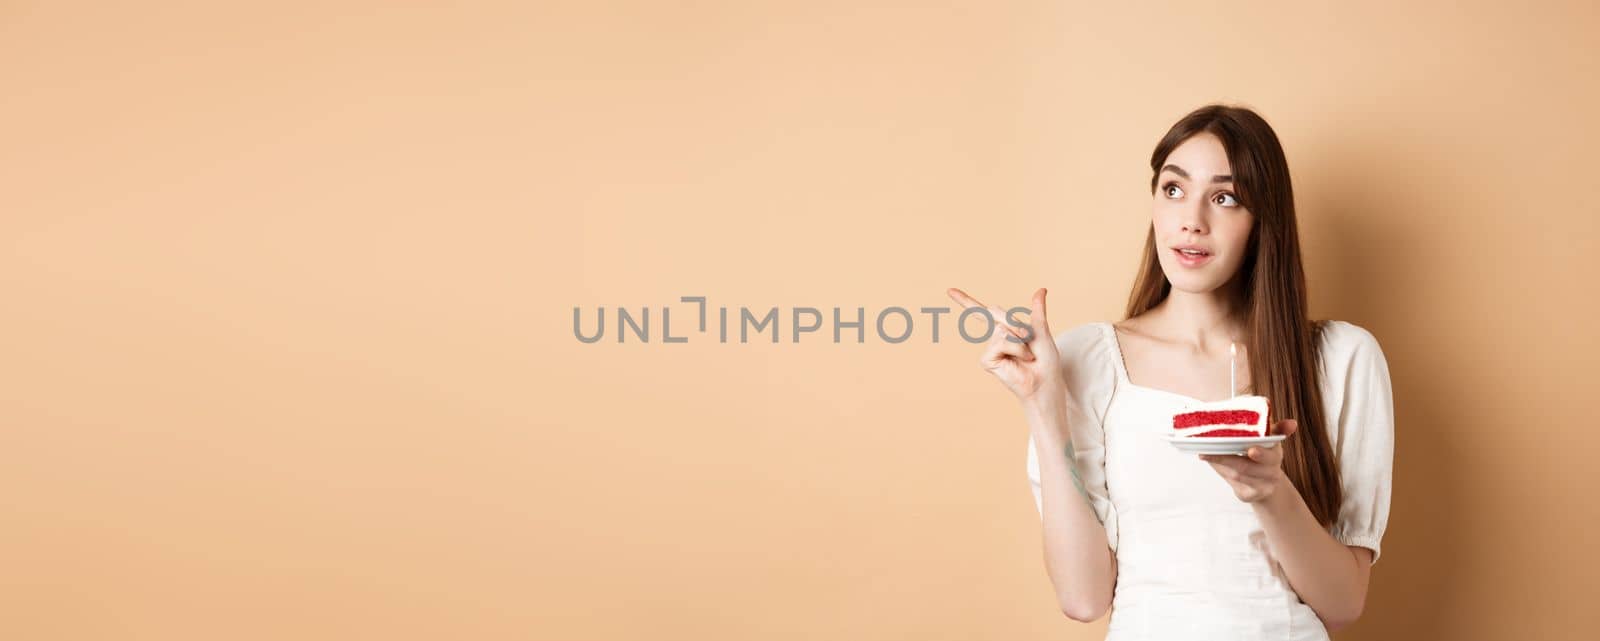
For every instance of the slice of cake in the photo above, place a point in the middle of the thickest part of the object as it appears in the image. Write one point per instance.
(1237, 416)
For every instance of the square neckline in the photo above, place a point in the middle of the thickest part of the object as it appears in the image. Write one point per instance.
(1121, 367)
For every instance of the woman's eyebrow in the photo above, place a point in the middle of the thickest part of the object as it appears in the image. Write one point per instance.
(1222, 178)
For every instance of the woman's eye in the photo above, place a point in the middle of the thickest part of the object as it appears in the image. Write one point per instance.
(1172, 191)
(1227, 200)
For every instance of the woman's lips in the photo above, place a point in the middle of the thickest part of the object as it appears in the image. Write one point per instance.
(1191, 261)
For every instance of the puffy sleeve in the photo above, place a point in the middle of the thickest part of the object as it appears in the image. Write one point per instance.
(1361, 425)
(1087, 370)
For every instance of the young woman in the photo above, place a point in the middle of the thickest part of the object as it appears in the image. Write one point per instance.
(1276, 544)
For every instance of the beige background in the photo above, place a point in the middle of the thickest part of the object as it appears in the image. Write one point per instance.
(287, 347)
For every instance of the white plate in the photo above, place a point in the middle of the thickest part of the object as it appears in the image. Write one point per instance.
(1221, 444)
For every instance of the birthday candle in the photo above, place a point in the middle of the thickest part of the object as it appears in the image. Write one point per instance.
(1233, 390)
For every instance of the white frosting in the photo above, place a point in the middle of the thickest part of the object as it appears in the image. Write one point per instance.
(1257, 404)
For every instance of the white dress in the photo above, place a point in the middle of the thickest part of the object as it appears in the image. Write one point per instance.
(1192, 559)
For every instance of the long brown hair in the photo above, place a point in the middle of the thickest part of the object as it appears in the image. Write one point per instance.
(1281, 341)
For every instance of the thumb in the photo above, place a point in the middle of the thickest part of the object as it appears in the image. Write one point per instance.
(1041, 322)
(1288, 427)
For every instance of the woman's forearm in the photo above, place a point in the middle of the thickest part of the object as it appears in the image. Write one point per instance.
(1077, 558)
(1325, 573)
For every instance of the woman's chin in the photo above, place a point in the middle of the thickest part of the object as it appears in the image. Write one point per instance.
(1189, 284)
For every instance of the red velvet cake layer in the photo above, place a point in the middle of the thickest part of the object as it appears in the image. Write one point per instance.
(1220, 417)
(1227, 432)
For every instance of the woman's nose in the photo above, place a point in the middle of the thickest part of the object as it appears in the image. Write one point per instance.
(1192, 222)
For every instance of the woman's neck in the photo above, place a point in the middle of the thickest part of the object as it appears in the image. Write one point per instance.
(1207, 321)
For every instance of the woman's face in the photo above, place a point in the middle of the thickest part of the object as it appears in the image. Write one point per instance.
(1196, 207)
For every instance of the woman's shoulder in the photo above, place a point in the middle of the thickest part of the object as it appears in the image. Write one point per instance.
(1087, 351)
(1083, 339)
(1344, 336)
(1342, 344)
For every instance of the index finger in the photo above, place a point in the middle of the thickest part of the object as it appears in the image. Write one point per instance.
(962, 297)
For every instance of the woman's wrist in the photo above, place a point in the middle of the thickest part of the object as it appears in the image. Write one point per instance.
(1046, 411)
(1051, 396)
(1283, 498)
